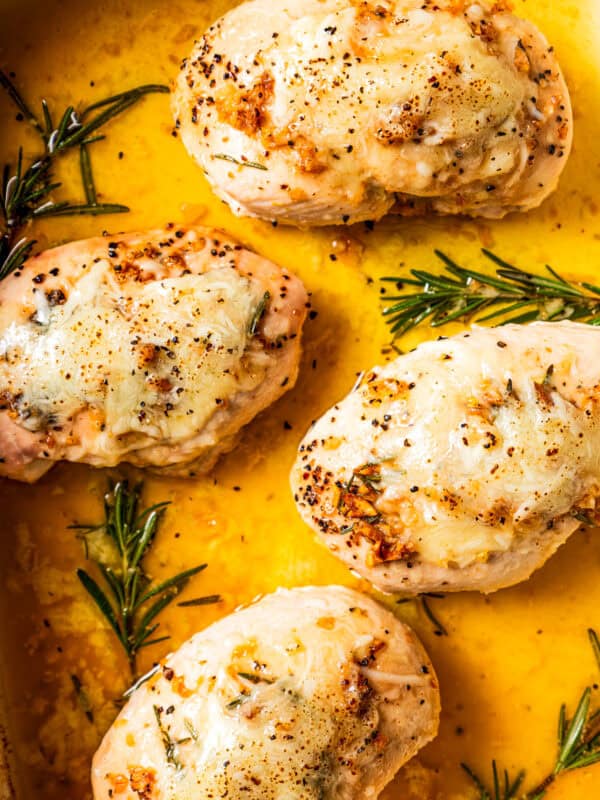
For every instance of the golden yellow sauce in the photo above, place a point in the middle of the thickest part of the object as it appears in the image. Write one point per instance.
(510, 659)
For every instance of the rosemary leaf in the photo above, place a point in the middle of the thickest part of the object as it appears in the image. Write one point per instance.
(438, 628)
(47, 120)
(505, 789)
(423, 601)
(258, 314)
(100, 599)
(483, 793)
(68, 210)
(574, 733)
(233, 160)
(83, 131)
(139, 91)
(595, 642)
(253, 678)
(209, 599)
(173, 584)
(15, 96)
(149, 642)
(15, 256)
(113, 582)
(241, 698)
(147, 523)
(144, 626)
(86, 175)
(189, 725)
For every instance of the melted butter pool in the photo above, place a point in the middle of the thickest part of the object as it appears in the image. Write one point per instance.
(510, 659)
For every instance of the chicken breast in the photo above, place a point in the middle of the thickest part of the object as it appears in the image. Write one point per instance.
(310, 694)
(153, 348)
(462, 465)
(319, 112)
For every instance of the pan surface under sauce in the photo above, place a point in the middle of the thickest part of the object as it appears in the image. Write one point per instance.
(510, 659)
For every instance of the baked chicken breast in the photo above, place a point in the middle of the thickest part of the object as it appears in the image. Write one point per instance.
(310, 694)
(462, 465)
(318, 112)
(153, 348)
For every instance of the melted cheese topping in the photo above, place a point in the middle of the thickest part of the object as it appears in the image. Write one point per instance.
(348, 105)
(465, 448)
(153, 347)
(310, 694)
(160, 362)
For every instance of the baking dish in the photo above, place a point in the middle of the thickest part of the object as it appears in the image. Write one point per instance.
(508, 660)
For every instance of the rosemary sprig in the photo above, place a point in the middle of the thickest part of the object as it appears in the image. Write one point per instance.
(511, 293)
(26, 189)
(578, 746)
(129, 601)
